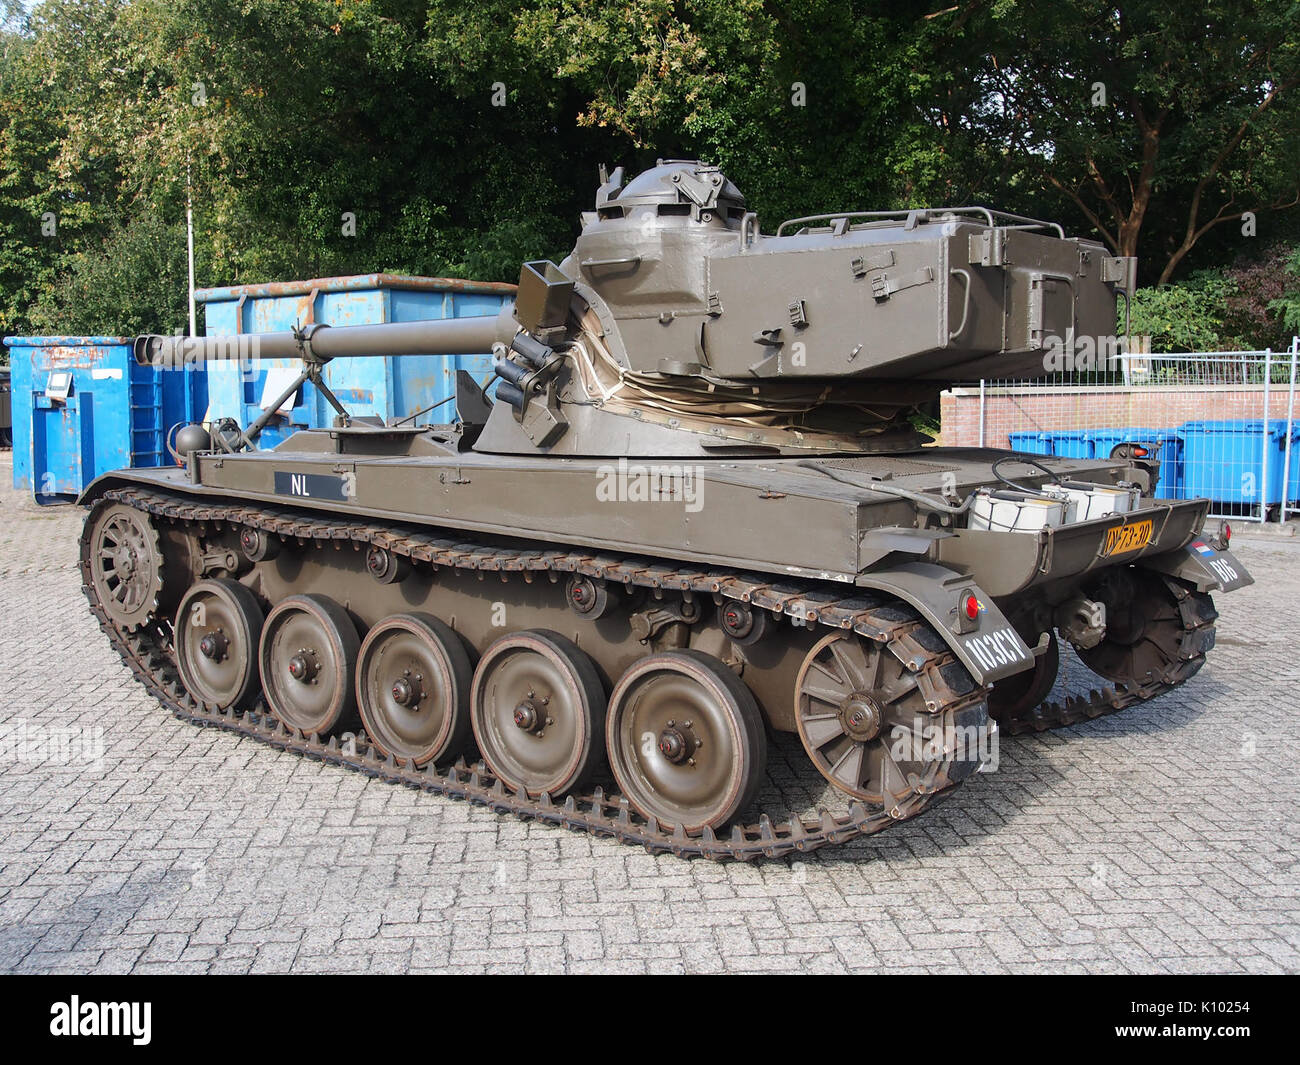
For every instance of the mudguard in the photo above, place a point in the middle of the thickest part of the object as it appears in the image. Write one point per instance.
(988, 645)
(125, 478)
(1202, 564)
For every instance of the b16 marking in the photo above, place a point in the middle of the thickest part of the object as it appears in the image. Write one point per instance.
(1002, 647)
(312, 486)
(1223, 569)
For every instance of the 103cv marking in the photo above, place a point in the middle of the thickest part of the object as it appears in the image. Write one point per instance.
(1123, 538)
(999, 648)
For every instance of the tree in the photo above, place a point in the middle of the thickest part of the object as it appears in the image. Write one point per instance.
(44, 209)
(1155, 120)
(433, 136)
(1287, 305)
(134, 282)
(809, 105)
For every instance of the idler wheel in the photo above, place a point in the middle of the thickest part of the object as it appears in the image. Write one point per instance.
(216, 633)
(863, 720)
(413, 686)
(538, 709)
(685, 740)
(308, 663)
(1144, 628)
(126, 565)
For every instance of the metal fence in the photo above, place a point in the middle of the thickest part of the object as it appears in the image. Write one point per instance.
(1222, 423)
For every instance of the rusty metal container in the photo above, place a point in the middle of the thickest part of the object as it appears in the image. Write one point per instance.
(386, 388)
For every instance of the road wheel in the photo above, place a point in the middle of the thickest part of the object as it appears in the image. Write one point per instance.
(308, 662)
(216, 633)
(685, 740)
(538, 710)
(413, 687)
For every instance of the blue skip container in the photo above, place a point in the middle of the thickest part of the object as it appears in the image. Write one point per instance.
(1033, 443)
(387, 388)
(1071, 444)
(1222, 460)
(82, 406)
(1164, 444)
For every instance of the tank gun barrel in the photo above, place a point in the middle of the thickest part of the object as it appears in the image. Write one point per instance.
(319, 343)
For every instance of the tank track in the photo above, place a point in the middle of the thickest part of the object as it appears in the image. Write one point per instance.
(146, 652)
(1197, 615)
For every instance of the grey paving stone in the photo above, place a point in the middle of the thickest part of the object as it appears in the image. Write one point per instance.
(1159, 840)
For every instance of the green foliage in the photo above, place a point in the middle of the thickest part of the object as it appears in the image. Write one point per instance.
(286, 118)
(925, 422)
(1288, 304)
(1247, 306)
(1187, 316)
(1254, 311)
(134, 282)
(1155, 123)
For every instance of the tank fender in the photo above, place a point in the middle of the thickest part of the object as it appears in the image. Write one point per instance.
(106, 482)
(988, 645)
(1202, 564)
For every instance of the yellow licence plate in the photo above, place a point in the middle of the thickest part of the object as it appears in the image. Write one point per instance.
(1128, 537)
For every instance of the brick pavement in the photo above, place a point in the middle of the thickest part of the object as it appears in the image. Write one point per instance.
(1160, 840)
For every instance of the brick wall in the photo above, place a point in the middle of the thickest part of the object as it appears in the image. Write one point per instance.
(1019, 408)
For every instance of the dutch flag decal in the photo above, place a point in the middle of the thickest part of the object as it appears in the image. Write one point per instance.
(1201, 548)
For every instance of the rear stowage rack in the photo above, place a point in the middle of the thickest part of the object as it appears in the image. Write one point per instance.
(911, 219)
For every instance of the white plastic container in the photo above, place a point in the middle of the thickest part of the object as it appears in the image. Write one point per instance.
(1097, 501)
(1026, 515)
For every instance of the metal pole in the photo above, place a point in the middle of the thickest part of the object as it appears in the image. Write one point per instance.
(1290, 423)
(981, 440)
(255, 430)
(1263, 457)
(189, 241)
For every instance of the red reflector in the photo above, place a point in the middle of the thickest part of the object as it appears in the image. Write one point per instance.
(972, 607)
(1140, 452)
(1227, 532)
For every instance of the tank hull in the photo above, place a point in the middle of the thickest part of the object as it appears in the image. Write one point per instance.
(780, 518)
(483, 587)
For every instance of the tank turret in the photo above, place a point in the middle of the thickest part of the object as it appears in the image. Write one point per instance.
(676, 327)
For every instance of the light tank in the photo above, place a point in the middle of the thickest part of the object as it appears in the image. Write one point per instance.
(692, 513)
